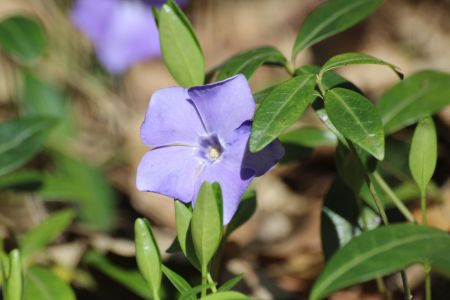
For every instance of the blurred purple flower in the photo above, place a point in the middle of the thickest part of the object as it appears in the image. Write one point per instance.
(201, 134)
(123, 32)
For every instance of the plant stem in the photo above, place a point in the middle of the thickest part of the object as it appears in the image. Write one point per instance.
(213, 284)
(382, 213)
(426, 264)
(204, 281)
(401, 207)
(423, 207)
(156, 296)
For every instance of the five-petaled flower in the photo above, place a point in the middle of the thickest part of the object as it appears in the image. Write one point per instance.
(201, 134)
(123, 32)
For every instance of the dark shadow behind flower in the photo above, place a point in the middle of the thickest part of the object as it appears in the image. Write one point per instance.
(123, 32)
(201, 134)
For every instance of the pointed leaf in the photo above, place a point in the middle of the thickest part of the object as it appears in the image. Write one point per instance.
(181, 52)
(147, 255)
(228, 285)
(206, 223)
(178, 282)
(43, 284)
(354, 58)
(43, 234)
(249, 61)
(23, 38)
(418, 96)
(330, 18)
(423, 153)
(280, 109)
(20, 140)
(357, 119)
(377, 253)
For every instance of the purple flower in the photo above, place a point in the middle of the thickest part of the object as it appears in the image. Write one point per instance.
(123, 32)
(201, 134)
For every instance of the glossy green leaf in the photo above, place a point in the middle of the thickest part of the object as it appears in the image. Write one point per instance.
(22, 181)
(354, 58)
(178, 282)
(229, 295)
(245, 211)
(37, 238)
(43, 284)
(181, 52)
(423, 153)
(206, 224)
(357, 119)
(417, 96)
(309, 137)
(280, 109)
(249, 61)
(23, 38)
(20, 140)
(76, 181)
(130, 279)
(228, 285)
(377, 253)
(147, 255)
(13, 288)
(330, 18)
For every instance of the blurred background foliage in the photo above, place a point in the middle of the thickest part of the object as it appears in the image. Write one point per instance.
(69, 146)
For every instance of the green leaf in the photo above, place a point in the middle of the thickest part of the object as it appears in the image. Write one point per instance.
(131, 279)
(23, 38)
(226, 296)
(76, 181)
(181, 52)
(280, 109)
(377, 253)
(178, 282)
(423, 153)
(183, 216)
(43, 234)
(245, 211)
(354, 58)
(206, 224)
(147, 255)
(43, 284)
(357, 119)
(228, 285)
(418, 96)
(194, 291)
(13, 287)
(20, 140)
(330, 18)
(249, 61)
(309, 137)
(22, 181)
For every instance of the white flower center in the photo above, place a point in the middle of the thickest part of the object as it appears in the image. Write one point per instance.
(214, 152)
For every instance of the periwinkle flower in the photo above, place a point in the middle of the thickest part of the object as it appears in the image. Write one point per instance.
(123, 32)
(201, 134)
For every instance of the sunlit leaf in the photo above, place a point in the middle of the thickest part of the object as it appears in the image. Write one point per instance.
(43, 284)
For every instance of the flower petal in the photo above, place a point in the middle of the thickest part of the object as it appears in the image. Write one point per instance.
(262, 161)
(170, 171)
(171, 119)
(224, 105)
(132, 37)
(92, 17)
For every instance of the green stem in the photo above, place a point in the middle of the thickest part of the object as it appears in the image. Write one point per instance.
(381, 211)
(401, 207)
(156, 295)
(423, 207)
(212, 283)
(427, 268)
(204, 281)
